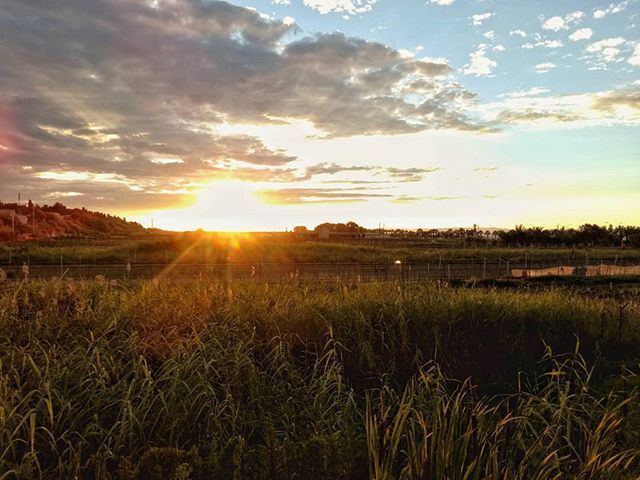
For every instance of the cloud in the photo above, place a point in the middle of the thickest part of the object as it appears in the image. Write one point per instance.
(554, 23)
(403, 199)
(531, 92)
(581, 34)
(293, 196)
(558, 23)
(520, 33)
(442, 2)
(544, 44)
(611, 107)
(606, 51)
(612, 8)
(479, 64)
(478, 19)
(634, 59)
(611, 101)
(545, 67)
(411, 174)
(350, 7)
(138, 92)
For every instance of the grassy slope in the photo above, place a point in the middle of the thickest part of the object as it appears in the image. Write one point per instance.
(203, 380)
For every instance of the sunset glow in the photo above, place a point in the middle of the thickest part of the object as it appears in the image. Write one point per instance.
(263, 115)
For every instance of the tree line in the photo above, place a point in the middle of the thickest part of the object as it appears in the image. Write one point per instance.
(585, 235)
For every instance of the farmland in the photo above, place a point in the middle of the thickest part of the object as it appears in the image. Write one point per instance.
(204, 379)
(246, 356)
(278, 256)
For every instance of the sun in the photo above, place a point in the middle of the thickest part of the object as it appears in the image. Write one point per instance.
(222, 206)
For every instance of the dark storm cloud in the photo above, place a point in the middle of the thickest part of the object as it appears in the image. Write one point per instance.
(136, 89)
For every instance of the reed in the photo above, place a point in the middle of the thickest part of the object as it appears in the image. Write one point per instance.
(212, 380)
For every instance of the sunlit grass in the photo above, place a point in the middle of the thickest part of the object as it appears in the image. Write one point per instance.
(250, 380)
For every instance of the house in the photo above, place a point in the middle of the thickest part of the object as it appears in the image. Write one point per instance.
(325, 233)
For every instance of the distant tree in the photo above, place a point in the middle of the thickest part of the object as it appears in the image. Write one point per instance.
(300, 229)
(349, 227)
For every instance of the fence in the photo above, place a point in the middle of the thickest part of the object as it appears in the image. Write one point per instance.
(440, 270)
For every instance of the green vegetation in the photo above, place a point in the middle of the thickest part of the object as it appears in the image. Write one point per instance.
(31, 222)
(280, 248)
(209, 380)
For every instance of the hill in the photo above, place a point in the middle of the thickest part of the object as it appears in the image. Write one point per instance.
(33, 222)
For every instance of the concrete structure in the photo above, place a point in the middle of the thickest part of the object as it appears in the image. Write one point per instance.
(543, 272)
(375, 236)
(597, 270)
(327, 234)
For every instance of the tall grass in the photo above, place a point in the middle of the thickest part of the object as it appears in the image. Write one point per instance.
(207, 380)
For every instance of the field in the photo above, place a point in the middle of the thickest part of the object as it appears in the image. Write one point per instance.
(279, 257)
(206, 379)
(283, 248)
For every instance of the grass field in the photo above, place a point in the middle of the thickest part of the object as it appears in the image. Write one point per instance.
(205, 380)
(281, 249)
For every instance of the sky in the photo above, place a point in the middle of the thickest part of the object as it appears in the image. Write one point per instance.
(267, 114)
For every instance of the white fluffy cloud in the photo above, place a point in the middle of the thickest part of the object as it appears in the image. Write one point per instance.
(607, 50)
(442, 2)
(581, 34)
(544, 44)
(347, 6)
(558, 23)
(545, 67)
(480, 17)
(520, 33)
(479, 64)
(612, 8)
(554, 23)
(531, 92)
(635, 56)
